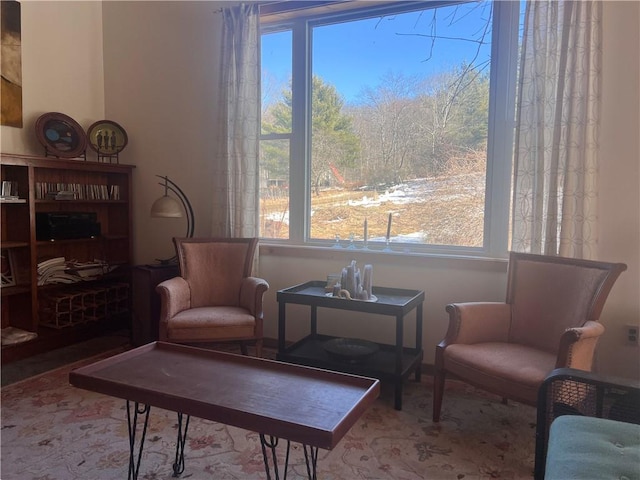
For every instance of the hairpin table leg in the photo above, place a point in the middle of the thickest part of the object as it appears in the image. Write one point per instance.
(134, 465)
(310, 456)
(311, 459)
(178, 464)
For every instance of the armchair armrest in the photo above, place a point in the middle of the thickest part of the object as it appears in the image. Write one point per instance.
(252, 290)
(175, 296)
(577, 346)
(567, 391)
(476, 322)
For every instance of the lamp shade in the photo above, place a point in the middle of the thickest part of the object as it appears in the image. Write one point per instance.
(167, 207)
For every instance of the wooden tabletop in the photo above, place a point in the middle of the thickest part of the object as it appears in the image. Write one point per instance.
(302, 404)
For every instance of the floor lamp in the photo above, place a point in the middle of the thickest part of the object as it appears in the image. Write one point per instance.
(168, 207)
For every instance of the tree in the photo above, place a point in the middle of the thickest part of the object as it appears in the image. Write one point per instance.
(388, 126)
(334, 144)
(454, 112)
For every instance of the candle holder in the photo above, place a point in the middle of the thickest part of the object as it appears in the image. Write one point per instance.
(352, 244)
(365, 242)
(387, 238)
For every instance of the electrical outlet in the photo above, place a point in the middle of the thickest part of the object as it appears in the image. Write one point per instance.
(631, 332)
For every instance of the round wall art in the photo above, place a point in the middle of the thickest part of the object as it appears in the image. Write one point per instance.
(61, 135)
(107, 137)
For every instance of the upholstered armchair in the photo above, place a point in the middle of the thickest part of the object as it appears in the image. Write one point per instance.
(549, 320)
(215, 298)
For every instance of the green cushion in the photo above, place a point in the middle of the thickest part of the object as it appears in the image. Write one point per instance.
(593, 448)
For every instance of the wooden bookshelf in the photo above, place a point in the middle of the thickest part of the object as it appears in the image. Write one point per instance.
(101, 189)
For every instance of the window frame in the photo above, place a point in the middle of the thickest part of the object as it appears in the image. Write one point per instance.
(501, 123)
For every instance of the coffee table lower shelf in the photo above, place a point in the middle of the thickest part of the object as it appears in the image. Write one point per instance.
(309, 351)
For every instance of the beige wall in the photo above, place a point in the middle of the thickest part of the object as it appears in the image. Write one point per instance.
(160, 83)
(619, 198)
(61, 68)
(160, 78)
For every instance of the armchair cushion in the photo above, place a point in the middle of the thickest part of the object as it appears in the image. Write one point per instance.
(513, 369)
(205, 323)
(594, 448)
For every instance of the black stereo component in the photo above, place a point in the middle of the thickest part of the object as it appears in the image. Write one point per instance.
(66, 225)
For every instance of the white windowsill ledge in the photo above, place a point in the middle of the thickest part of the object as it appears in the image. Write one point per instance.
(461, 262)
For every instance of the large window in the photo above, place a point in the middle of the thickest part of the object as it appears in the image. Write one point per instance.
(400, 116)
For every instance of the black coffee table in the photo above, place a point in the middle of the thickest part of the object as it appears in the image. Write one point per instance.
(391, 363)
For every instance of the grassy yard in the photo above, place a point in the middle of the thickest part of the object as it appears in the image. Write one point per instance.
(449, 212)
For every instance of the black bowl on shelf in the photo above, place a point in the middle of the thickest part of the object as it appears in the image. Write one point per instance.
(351, 350)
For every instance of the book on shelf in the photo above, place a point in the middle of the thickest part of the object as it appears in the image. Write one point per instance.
(9, 188)
(76, 191)
(12, 199)
(60, 195)
(50, 270)
(51, 262)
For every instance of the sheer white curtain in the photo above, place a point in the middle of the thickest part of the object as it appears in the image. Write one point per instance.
(556, 151)
(235, 185)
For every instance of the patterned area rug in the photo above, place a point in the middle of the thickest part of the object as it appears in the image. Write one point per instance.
(51, 430)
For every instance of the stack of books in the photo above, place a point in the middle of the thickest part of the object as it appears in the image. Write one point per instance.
(59, 270)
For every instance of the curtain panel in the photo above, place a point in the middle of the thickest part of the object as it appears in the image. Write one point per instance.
(235, 185)
(556, 149)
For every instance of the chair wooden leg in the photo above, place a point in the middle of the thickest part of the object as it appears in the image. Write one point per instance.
(438, 391)
(438, 382)
(259, 348)
(243, 349)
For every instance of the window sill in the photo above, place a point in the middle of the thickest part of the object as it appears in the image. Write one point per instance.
(378, 257)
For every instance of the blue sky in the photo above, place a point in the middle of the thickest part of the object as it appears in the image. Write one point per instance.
(355, 55)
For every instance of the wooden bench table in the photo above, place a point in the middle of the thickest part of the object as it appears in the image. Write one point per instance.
(278, 400)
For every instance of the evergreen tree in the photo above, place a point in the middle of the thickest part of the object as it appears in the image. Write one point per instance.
(335, 147)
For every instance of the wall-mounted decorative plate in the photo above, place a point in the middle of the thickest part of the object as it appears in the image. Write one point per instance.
(107, 137)
(61, 135)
